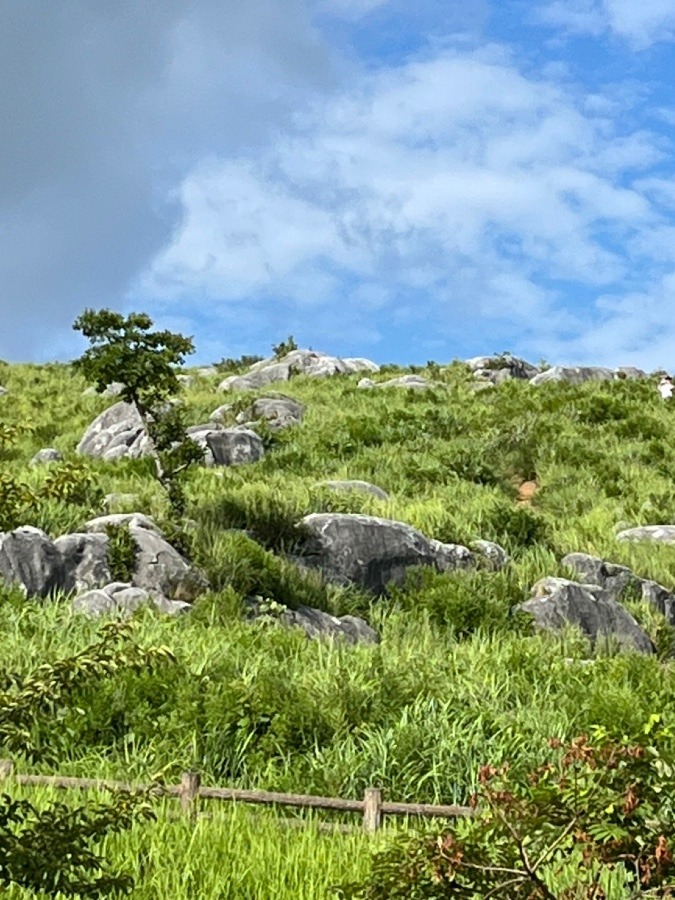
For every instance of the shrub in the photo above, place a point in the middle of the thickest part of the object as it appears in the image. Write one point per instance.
(284, 347)
(122, 551)
(601, 807)
(515, 527)
(462, 602)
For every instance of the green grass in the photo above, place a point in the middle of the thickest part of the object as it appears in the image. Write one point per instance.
(456, 681)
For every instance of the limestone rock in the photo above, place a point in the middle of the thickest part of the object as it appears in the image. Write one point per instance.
(658, 534)
(29, 558)
(370, 551)
(573, 374)
(235, 447)
(557, 602)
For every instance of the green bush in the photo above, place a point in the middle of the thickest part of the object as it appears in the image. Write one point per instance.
(598, 813)
(462, 602)
(122, 552)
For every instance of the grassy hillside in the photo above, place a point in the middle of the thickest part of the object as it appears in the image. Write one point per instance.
(456, 680)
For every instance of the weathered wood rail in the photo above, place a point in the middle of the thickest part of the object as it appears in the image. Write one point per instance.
(372, 808)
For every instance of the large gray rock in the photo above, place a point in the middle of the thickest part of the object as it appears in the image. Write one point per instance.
(501, 368)
(558, 602)
(160, 568)
(370, 551)
(616, 579)
(298, 362)
(135, 519)
(256, 379)
(235, 447)
(120, 598)
(658, 534)
(117, 431)
(29, 558)
(364, 486)
(630, 373)
(85, 561)
(279, 412)
(75, 562)
(611, 577)
(316, 623)
(573, 374)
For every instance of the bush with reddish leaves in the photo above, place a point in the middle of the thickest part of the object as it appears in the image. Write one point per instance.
(594, 823)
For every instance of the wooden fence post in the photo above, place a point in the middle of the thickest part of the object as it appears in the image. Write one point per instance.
(372, 810)
(6, 768)
(189, 792)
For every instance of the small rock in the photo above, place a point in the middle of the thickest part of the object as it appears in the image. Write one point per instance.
(46, 455)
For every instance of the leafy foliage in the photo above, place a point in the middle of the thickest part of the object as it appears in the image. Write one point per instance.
(51, 850)
(281, 349)
(122, 552)
(602, 804)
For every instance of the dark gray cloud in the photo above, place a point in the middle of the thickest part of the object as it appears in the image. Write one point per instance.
(104, 106)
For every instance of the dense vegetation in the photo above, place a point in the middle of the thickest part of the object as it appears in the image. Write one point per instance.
(457, 681)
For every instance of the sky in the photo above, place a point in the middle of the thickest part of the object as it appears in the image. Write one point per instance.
(382, 179)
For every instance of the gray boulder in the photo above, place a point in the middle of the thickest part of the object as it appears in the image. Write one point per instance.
(85, 561)
(112, 390)
(369, 551)
(46, 455)
(557, 602)
(120, 598)
(29, 558)
(364, 486)
(221, 412)
(256, 379)
(3, 390)
(658, 534)
(297, 362)
(316, 623)
(496, 556)
(573, 374)
(615, 579)
(234, 447)
(75, 562)
(135, 519)
(629, 373)
(117, 431)
(279, 412)
(609, 576)
(496, 369)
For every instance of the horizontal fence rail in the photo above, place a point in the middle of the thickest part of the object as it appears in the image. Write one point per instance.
(372, 808)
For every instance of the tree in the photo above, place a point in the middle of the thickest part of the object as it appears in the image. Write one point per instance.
(125, 350)
(52, 850)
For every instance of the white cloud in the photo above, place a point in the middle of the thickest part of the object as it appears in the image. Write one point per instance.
(454, 182)
(640, 22)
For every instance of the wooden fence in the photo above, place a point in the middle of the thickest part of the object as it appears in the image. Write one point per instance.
(372, 808)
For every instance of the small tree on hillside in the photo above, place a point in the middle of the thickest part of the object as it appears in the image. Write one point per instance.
(125, 350)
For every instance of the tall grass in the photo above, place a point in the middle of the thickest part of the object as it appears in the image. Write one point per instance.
(456, 681)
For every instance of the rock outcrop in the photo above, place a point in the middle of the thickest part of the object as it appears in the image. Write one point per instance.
(618, 580)
(657, 534)
(371, 552)
(298, 362)
(79, 561)
(314, 622)
(557, 602)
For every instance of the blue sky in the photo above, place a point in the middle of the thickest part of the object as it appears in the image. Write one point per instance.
(402, 182)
